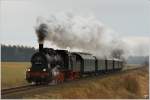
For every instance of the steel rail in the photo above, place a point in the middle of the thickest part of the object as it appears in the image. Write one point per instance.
(18, 89)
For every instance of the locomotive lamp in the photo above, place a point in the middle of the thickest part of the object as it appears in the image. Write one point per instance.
(28, 69)
(44, 69)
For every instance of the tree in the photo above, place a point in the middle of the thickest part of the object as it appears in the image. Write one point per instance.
(117, 53)
(16, 53)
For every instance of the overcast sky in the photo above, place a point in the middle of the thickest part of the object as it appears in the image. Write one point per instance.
(130, 18)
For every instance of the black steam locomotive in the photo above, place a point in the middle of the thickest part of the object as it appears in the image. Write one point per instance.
(68, 65)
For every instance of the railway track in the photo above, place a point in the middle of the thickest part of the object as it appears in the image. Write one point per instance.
(18, 89)
(22, 89)
(30, 87)
(15, 89)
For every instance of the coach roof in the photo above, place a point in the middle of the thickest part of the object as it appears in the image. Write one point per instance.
(85, 55)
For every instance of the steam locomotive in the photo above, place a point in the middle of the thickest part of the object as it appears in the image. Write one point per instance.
(69, 65)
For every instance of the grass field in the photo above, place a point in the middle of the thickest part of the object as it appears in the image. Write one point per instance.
(13, 74)
(128, 85)
(123, 86)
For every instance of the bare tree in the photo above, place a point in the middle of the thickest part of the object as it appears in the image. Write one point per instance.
(117, 53)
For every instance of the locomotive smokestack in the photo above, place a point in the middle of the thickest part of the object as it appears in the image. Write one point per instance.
(40, 47)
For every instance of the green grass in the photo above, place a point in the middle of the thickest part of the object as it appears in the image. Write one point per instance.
(13, 74)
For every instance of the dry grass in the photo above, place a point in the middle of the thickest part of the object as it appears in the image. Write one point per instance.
(128, 85)
(13, 73)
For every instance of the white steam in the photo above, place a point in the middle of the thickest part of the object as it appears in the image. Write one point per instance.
(84, 33)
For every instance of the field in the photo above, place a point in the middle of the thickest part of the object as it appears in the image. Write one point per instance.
(130, 85)
(13, 74)
(125, 85)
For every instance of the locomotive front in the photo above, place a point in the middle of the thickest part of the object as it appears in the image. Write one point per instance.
(41, 65)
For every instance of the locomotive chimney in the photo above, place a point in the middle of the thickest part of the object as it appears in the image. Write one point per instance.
(40, 47)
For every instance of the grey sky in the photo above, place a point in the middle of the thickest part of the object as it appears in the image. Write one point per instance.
(18, 17)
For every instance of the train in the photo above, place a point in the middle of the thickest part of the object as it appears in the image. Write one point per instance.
(48, 65)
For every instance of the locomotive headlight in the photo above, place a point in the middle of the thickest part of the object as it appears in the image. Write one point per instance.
(44, 69)
(28, 69)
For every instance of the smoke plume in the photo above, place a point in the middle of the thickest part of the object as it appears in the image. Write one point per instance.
(84, 33)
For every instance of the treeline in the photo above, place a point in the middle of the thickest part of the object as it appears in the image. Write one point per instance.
(144, 60)
(16, 53)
